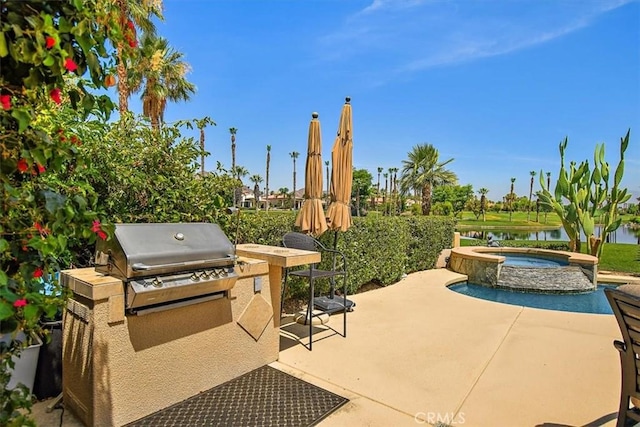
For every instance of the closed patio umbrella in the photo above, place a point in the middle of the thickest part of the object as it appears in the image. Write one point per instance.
(311, 217)
(339, 212)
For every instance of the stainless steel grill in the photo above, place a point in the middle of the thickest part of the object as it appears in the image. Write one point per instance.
(168, 265)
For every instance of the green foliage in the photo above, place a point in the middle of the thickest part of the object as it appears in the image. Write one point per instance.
(456, 195)
(44, 47)
(378, 248)
(442, 208)
(262, 227)
(149, 175)
(429, 236)
(583, 196)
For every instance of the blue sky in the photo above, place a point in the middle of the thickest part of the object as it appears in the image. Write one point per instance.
(494, 84)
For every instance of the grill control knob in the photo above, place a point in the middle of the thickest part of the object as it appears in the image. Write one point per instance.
(194, 277)
(205, 274)
(157, 283)
(222, 273)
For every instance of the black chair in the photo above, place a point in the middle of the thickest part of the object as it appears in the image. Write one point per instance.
(625, 302)
(325, 304)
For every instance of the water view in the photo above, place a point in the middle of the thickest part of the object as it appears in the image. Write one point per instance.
(621, 235)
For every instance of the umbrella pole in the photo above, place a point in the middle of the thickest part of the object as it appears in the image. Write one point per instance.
(333, 280)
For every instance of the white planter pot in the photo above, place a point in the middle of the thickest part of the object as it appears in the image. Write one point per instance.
(25, 365)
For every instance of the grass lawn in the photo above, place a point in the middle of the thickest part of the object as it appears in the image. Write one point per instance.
(620, 257)
(501, 219)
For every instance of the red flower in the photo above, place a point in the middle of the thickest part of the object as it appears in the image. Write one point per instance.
(20, 303)
(70, 65)
(130, 25)
(23, 166)
(5, 100)
(97, 228)
(133, 42)
(42, 230)
(38, 272)
(50, 42)
(55, 95)
(41, 168)
(75, 140)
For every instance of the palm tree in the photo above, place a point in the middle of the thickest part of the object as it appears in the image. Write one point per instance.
(549, 181)
(294, 155)
(161, 76)
(483, 201)
(533, 174)
(326, 163)
(511, 196)
(201, 124)
(267, 184)
(239, 172)
(423, 170)
(283, 191)
(233, 131)
(386, 190)
(391, 193)
(256, 179)
(379, 172)
(132, 14)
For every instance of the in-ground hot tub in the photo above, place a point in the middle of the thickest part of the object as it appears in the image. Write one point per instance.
(535, 270)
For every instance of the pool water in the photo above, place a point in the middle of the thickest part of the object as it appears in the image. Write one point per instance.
(592, 302)
(517, 260)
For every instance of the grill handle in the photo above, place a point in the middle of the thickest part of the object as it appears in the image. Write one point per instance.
(138, 266)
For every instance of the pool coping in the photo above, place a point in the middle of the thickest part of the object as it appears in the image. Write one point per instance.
(483, 266)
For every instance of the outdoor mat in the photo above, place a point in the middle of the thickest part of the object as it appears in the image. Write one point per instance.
(263, 397)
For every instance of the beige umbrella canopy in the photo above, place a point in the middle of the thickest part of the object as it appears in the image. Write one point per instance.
(339, 213)
(311, 217)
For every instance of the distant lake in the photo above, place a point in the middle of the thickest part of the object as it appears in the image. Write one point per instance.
(621, 235)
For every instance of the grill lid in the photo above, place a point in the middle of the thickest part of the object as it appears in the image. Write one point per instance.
(139, 250)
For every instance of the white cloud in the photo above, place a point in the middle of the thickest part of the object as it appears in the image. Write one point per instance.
(400, 37)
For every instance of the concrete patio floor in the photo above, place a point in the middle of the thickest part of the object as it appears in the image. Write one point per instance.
(417, 353)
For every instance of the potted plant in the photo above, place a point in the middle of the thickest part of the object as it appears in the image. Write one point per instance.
(46, 48)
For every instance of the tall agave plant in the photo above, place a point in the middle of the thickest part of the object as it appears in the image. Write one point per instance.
(583, 196)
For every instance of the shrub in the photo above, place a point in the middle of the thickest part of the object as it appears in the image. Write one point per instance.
(429, 236)
(379, 249)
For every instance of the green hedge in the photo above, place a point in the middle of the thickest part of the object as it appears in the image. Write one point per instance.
(556, 245)
(379, 249)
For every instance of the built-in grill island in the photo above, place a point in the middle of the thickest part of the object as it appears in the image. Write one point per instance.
(168, 265)
(167, 312)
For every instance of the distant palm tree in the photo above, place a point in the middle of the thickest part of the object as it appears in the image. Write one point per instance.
(256, 179)
(379, 172)
(533, 174)
(483, 202)
(386, 191)
(239, 172)
(267, 184)
(326, 163)
(394, 189)
(549, 181)
(161, 76)
(233, 132)
(201, 124)
(391, 193)
(283, 191)
(294, 155)
(424, 170)
(511, 197)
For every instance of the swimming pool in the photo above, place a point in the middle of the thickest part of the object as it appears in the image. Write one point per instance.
(538, 261)
(592, 302)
